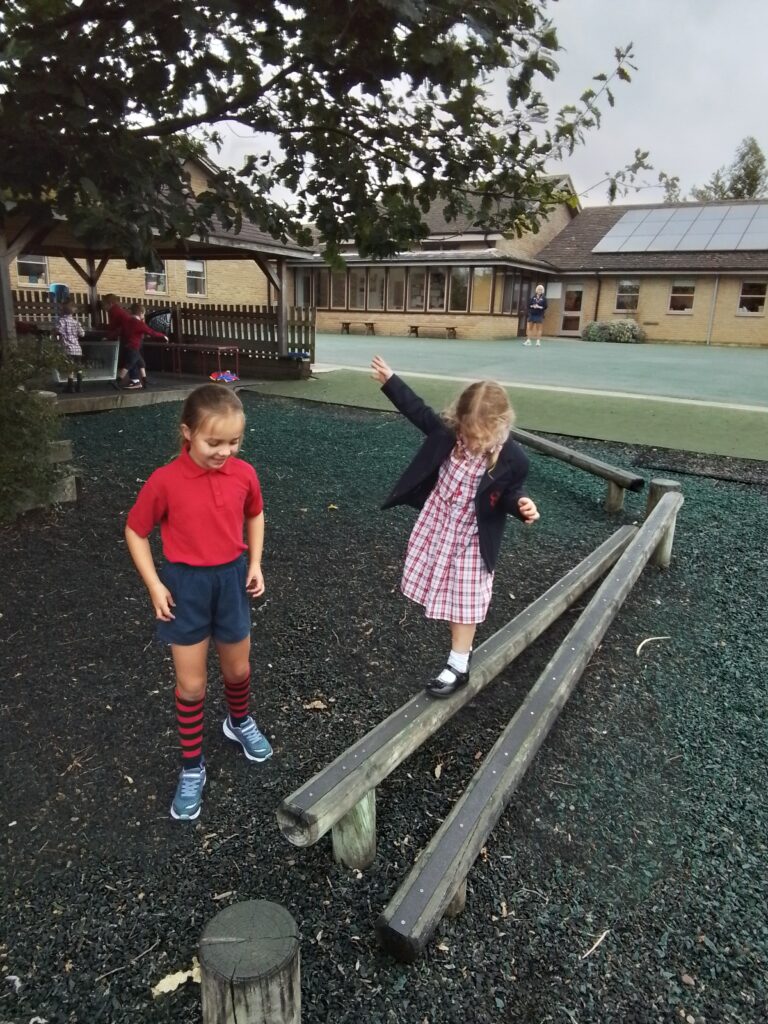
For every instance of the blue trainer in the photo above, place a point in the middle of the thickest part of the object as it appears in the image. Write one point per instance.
(189, 794)
(255, 745)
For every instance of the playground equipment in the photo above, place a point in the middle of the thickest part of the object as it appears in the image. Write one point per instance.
(618, 480)
(343, 795)
(436, 884)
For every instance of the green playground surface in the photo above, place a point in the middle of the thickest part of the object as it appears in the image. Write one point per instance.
(655, 421)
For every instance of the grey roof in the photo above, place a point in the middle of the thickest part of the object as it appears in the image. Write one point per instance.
(465, 224)
(571, 250)
(422, 257)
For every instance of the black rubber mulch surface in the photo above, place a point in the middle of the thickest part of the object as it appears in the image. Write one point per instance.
(643, 817)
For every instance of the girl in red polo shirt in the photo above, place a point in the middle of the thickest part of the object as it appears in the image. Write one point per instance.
(203, 502)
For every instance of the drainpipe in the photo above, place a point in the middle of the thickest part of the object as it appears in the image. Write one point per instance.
(597, 295)
(712, 309)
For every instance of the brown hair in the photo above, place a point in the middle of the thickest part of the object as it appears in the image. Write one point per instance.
(481, 416)
(110, 299)
(206, 402)
(136, 308)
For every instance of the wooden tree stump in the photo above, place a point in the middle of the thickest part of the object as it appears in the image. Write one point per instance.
(249, 964)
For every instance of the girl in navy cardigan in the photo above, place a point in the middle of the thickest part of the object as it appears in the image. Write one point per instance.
(466, 478)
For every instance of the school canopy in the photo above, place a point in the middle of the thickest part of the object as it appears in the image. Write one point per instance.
(19, 235)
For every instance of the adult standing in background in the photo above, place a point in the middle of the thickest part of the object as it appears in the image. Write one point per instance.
(537, 307)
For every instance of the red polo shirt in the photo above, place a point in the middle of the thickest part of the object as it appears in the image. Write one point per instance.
(201, 512)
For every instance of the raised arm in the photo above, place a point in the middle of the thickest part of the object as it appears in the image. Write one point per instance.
(404, 399)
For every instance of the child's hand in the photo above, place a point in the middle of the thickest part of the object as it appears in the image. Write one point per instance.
(254, 582)
(381, 372)
(528, 510)
(162, 602)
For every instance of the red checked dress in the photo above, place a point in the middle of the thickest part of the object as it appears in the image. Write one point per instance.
(444, 570)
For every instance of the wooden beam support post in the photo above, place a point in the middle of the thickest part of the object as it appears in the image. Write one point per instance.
(7, 315)
(249, 965)
(412, 915)
(354, 835)
(282, 308)
(307, 814)
(662, 556)
(614, 497)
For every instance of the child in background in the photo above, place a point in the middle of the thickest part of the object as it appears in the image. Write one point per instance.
(69, 332)
(203, 501)
(466, 478)
(130, 328)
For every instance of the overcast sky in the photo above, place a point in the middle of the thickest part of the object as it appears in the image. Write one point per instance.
(700, 88)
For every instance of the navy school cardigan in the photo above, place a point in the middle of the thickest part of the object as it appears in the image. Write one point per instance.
(498, 491)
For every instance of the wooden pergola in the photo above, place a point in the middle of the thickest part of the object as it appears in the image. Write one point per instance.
(56, 238)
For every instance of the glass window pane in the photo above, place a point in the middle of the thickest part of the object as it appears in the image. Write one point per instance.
(417, 288)
(376, 281)
(438, 281)
(339, 289)
(627, 293)
(322, 289)
(156, 281)
(357, 288)
(459, 296)
(482, 279)
(32, 269)
(681, 296)
(752, 298)
(396, 288)
(195, 277)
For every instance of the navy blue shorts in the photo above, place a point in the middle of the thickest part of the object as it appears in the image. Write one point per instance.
(211, 600)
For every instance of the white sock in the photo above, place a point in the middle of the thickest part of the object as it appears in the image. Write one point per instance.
(458, 661)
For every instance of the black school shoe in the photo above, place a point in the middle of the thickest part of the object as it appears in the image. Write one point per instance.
(437, 688)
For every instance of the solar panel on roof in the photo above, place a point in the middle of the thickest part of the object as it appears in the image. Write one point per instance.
(661, 229)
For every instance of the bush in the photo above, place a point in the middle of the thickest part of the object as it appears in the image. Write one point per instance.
(626, 331)
(28, 422)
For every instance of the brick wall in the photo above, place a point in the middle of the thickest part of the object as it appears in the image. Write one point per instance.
(228, 281)
(728, 326)
(469, 326)
(529, 245)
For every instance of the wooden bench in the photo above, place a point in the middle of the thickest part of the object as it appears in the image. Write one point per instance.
(432, 331)
(369, 325)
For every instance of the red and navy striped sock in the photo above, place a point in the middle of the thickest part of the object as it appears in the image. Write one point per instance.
(238, 697)
(189, 715)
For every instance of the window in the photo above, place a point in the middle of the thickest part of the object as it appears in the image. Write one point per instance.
(438, 281)
(357, 289)
(459, 294)
(196, 277)
(156, 281)
(303, 288)
(511, 301)
(376, 282)
(32, 270)
(627, 292)
(339, 289)
(396, 288)
(322, 289)
(681, 296)
(417, 288)
(752, 299)
(482, 278)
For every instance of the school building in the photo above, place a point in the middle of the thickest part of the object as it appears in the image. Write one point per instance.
(686, 272)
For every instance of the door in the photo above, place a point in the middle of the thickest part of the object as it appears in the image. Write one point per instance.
(573, 299)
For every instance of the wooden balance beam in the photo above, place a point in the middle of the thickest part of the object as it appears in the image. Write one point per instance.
(342, 796)
(618, 479)
(436, 885)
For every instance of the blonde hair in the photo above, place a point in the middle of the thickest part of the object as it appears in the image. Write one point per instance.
(205, 403)
(481, 416)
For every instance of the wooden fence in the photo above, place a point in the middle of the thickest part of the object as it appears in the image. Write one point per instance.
(253, 328)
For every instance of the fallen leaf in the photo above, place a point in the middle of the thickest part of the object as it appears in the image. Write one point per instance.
(333, 506)
(128, 779)
(504, 911)
(172, 981)
(316, 705)
(443, 948)
(478, 755)
(223, 895)
(438, 770)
